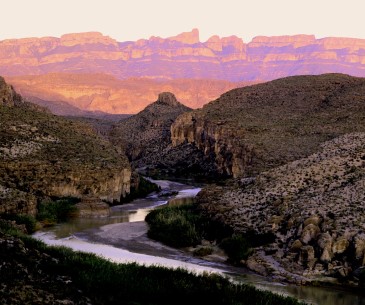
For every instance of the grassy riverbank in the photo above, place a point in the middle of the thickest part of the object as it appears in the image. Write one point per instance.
(50, 274)
(184, 226)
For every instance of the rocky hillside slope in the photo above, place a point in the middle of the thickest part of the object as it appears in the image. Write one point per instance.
(184, 56)
(314, 206)
(251, 129)
(146, 139)
(45, 155)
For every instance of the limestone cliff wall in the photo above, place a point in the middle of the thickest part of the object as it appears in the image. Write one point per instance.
(226, 144)
(108, 185)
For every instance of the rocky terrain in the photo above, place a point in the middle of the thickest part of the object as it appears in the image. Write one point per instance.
(314, 206)
(146, 139)
(251, 129)
(183, 56)
(44, 155)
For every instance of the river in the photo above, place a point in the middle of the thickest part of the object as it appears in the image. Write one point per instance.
(122, 238)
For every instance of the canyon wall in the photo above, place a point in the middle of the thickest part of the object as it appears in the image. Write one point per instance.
(255, 128)
(94, 72)
(184, 56)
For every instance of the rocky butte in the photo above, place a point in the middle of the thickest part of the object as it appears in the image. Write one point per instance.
(146, 139)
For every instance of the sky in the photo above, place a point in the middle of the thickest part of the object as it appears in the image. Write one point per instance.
(136, 19)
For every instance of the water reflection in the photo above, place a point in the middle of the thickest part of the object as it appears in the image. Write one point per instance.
(307, 294)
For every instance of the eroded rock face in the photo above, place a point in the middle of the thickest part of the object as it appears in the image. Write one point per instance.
(43, 155)
(232, 155)
(146, 138)
(13, 201)
(92, 207)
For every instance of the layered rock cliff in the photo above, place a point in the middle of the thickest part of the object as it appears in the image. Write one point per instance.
(96, 73)
(184, 56)
(44, 155)
(314, 207)
(255, 128)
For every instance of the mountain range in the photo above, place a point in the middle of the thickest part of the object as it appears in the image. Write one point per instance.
(97, 73)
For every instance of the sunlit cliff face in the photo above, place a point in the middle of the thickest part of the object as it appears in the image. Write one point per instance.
(165, 64)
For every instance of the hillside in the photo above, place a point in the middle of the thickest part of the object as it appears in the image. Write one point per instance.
(45, 155)
(314, 206)
(146, 139)
(259, 127)
(183, 56)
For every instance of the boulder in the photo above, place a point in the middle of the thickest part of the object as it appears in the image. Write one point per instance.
(309, 232)
(306, 255)
(340, 245)
(92, 207)
(325, 243)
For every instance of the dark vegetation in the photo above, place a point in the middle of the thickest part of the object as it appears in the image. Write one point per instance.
(28, 221)
(185, 225)
(51, 212)
(59, 275)
(144, 188)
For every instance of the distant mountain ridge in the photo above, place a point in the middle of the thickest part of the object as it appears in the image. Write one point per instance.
(102, 92)
(184, 56)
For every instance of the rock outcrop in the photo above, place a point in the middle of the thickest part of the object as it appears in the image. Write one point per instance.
(255, 128)
(44, 155)
(92, 207)
(314, 206)
(146, 139)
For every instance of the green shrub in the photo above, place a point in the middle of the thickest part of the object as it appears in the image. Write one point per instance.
(174, 225)
(237, 248)
(22, 219)
(183, 226)
(51, 212)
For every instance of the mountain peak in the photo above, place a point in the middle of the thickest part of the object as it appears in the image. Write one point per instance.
(167, 98)
(191, 37)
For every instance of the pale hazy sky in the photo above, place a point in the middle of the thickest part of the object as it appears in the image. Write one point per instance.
(134, 19)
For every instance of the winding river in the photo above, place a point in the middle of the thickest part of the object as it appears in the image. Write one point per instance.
(122, 238)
